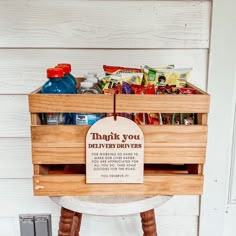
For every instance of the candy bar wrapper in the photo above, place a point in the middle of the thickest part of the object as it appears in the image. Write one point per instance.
(111, 70)
(154, 119)
(190, 119)
(177, 119)
(165, 118)
(141, 118)
(187, 91)
(126, 89)
(139, 89)
(112, 81)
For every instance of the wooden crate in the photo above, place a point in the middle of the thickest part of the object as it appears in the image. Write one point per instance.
(174, 155)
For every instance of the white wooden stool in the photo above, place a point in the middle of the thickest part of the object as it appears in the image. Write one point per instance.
(72, 209)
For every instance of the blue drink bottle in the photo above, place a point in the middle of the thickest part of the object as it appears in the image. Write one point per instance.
(55, 85)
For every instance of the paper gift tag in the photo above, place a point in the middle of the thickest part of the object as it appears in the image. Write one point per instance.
(114, 152)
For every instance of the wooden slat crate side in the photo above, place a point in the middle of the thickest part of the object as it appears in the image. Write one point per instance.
(59, 185)
(154, 136)
(175, 135)
(197, 103)
(163, 103)
(39, 103)
(58, 155)
(171, 155)
(58, 136)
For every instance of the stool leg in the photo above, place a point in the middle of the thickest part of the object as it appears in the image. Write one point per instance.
(149, 223)
(77, 223)
(69, 224)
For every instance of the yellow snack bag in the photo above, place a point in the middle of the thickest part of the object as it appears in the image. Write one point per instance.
(166, 76)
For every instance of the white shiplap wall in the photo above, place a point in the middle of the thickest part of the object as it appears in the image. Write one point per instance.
(35, 35)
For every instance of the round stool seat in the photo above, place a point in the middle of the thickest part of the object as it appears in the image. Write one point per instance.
(110, 205)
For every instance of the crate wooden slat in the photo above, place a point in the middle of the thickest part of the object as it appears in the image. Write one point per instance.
(196, 103)
(163, 103)
(155, 136)
(124, 103)
(58, 185)
(175, 154)
(70, 103)
(172, 155)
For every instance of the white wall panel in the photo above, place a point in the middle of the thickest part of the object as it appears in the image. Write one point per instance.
(7, 226)
(14, 118)
(116, 226)
(24, 70)
(232, 176)
(15, 158)
(104, 24)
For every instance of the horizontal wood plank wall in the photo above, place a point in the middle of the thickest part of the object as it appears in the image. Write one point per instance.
(35, 35)
(22, 75)
(105, 24)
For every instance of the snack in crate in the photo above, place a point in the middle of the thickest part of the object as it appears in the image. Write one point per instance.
(166, 118)
(111, 70)
(141, 118)
(166, 76)
(111, 81)
(150, 75)
(154, 119)
(187, 91)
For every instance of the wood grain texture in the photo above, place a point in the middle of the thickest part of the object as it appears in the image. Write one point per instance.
(88, 24)
(66, 223)
(155, 136)
(27, 74)
(124, 103)
(149, 223)
(70, 103)
(72, 185)
(160, 155)
(163, 103)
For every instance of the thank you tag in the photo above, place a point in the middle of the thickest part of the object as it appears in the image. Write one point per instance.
(114, 152)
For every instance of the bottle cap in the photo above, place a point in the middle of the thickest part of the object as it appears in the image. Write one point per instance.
(86, 84)
(55, 73)
(65, 64)
(91, 74)
(65, 68)
(92, 79)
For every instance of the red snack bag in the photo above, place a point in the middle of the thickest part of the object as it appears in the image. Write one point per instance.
(150, 89)
(164, 90)
(141, 118)
(109, 70)
(109, 91)
(137, 89)
(187, 91)
(118, 89)
(154, 119)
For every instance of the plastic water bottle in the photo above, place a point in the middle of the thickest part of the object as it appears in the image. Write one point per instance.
(68, 78)
(55, 85)
(87, 87)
